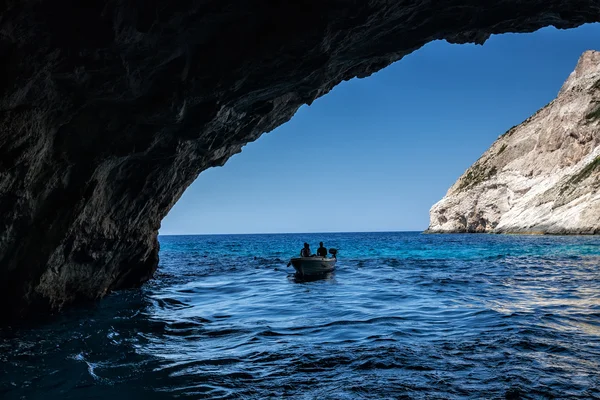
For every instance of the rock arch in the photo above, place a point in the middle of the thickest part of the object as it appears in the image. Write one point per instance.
(110, 109)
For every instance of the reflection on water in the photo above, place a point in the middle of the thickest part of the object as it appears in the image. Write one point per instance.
(402, 316)
(299, 278)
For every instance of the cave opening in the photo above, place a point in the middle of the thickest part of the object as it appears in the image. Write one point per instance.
(108, 119)
(385, 148)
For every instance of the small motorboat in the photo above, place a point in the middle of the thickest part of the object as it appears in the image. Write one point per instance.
(314, 265)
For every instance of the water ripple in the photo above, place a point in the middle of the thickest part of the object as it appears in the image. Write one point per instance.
(406, 316)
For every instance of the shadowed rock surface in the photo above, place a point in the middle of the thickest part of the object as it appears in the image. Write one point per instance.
(542, 176)
(110, 109)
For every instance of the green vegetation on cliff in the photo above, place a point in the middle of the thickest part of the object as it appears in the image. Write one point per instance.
(595, 114)
(585, 172)
(475, 175)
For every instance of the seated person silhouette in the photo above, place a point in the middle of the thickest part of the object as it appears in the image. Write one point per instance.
(321, 251)
(305, 252)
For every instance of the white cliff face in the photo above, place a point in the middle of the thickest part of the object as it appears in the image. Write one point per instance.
(542, 176)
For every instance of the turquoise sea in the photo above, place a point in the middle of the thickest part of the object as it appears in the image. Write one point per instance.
(404, 316)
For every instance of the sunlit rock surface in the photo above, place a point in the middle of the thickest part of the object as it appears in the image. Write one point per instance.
(542, 176)
(110, 109)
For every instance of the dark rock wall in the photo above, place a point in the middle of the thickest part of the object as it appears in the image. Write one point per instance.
(110, 109)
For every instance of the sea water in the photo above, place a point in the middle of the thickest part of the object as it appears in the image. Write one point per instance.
(404, 315)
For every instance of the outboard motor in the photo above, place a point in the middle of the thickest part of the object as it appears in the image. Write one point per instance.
(333, 252)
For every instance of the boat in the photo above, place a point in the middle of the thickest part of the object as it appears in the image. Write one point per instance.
(314, 265)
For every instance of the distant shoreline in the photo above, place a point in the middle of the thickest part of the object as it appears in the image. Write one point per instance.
(524, 233)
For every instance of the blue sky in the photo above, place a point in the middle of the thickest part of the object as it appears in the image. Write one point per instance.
(376, 153)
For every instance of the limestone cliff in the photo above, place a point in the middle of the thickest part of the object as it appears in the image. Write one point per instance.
(542, 176)
(109, 109)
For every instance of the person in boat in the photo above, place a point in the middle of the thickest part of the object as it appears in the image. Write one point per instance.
(305, 252)
(321, 251)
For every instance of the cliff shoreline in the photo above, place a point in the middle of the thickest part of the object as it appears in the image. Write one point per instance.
(540, 177)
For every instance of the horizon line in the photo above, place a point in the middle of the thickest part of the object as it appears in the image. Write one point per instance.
(283, 233)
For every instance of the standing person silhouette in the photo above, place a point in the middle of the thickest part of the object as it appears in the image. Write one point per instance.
(321, 251)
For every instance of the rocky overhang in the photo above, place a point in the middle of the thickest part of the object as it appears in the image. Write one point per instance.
(110, 109)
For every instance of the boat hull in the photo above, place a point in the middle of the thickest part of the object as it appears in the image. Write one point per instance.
(313, 265)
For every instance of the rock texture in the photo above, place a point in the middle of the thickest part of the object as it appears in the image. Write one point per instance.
(110, 109)
(542, 176)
